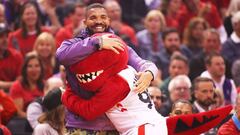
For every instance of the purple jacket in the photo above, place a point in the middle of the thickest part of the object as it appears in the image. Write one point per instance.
(73, 50)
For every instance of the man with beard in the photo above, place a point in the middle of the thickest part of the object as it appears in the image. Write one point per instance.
(203, 93)
(216, 69)
(172, 44)
(74, 50)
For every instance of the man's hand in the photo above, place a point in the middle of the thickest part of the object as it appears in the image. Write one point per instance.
(143, 82)
(110, 43)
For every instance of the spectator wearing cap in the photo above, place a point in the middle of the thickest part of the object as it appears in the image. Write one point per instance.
(51, 121)
(35, 109)
(9, 58)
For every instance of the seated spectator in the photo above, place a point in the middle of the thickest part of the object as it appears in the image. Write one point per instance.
(216, 69)
(170, 9)
(232, 9)
(181, 107)
(218, 99)
(45, 47)
(203, 89)
(210, 42)
(30, 86)
(178, 66)
(172, 45)
(156, 96)
(179, 88)
(230, 48)
(76, 15)
(51, 121)
(150, 39)
(7, 111)
(23, 38)
(236, 73)
(231, 127)
(193, 34)
(8, 59)
(35, 109)
(126, 32)
(208, 11)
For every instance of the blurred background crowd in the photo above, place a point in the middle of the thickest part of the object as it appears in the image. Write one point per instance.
(194, 43)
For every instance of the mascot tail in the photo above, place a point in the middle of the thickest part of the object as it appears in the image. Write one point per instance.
(195, 124)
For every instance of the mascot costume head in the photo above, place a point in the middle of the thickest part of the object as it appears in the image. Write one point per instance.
(96, 71)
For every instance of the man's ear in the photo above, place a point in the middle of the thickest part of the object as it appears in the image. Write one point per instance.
(84, 21)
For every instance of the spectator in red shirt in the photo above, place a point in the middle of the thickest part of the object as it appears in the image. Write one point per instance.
(30, 86)
(8, 59)
(232, 126)
(23, 39)
(170, 9)
(208, 11)
(7, 108)
(76, 17)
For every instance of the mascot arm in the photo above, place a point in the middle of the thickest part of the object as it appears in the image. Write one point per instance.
(113, 91)
(74, 50)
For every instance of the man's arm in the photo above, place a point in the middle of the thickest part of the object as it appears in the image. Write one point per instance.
(147, 70)
(73, 50)
(115, 90)
(76, 49)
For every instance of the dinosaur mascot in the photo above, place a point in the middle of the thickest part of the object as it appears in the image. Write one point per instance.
(107, 75)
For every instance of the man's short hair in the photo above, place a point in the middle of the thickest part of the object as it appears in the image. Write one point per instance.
(184, 101)
(210, 56)
(179, 57)
(168, 31)
(94, 5)
(198, 80)
(175, 80)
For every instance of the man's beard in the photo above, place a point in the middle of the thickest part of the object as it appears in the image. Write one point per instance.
(206, 103)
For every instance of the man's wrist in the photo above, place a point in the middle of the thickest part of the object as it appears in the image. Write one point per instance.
(151, 74)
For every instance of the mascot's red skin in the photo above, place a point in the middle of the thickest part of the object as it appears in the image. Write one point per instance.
(110, 89)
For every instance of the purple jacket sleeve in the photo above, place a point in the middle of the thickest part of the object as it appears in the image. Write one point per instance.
(73, 50)
(76, 49)
(140, 64)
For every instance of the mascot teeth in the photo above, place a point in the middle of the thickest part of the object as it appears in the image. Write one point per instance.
(84, 78)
